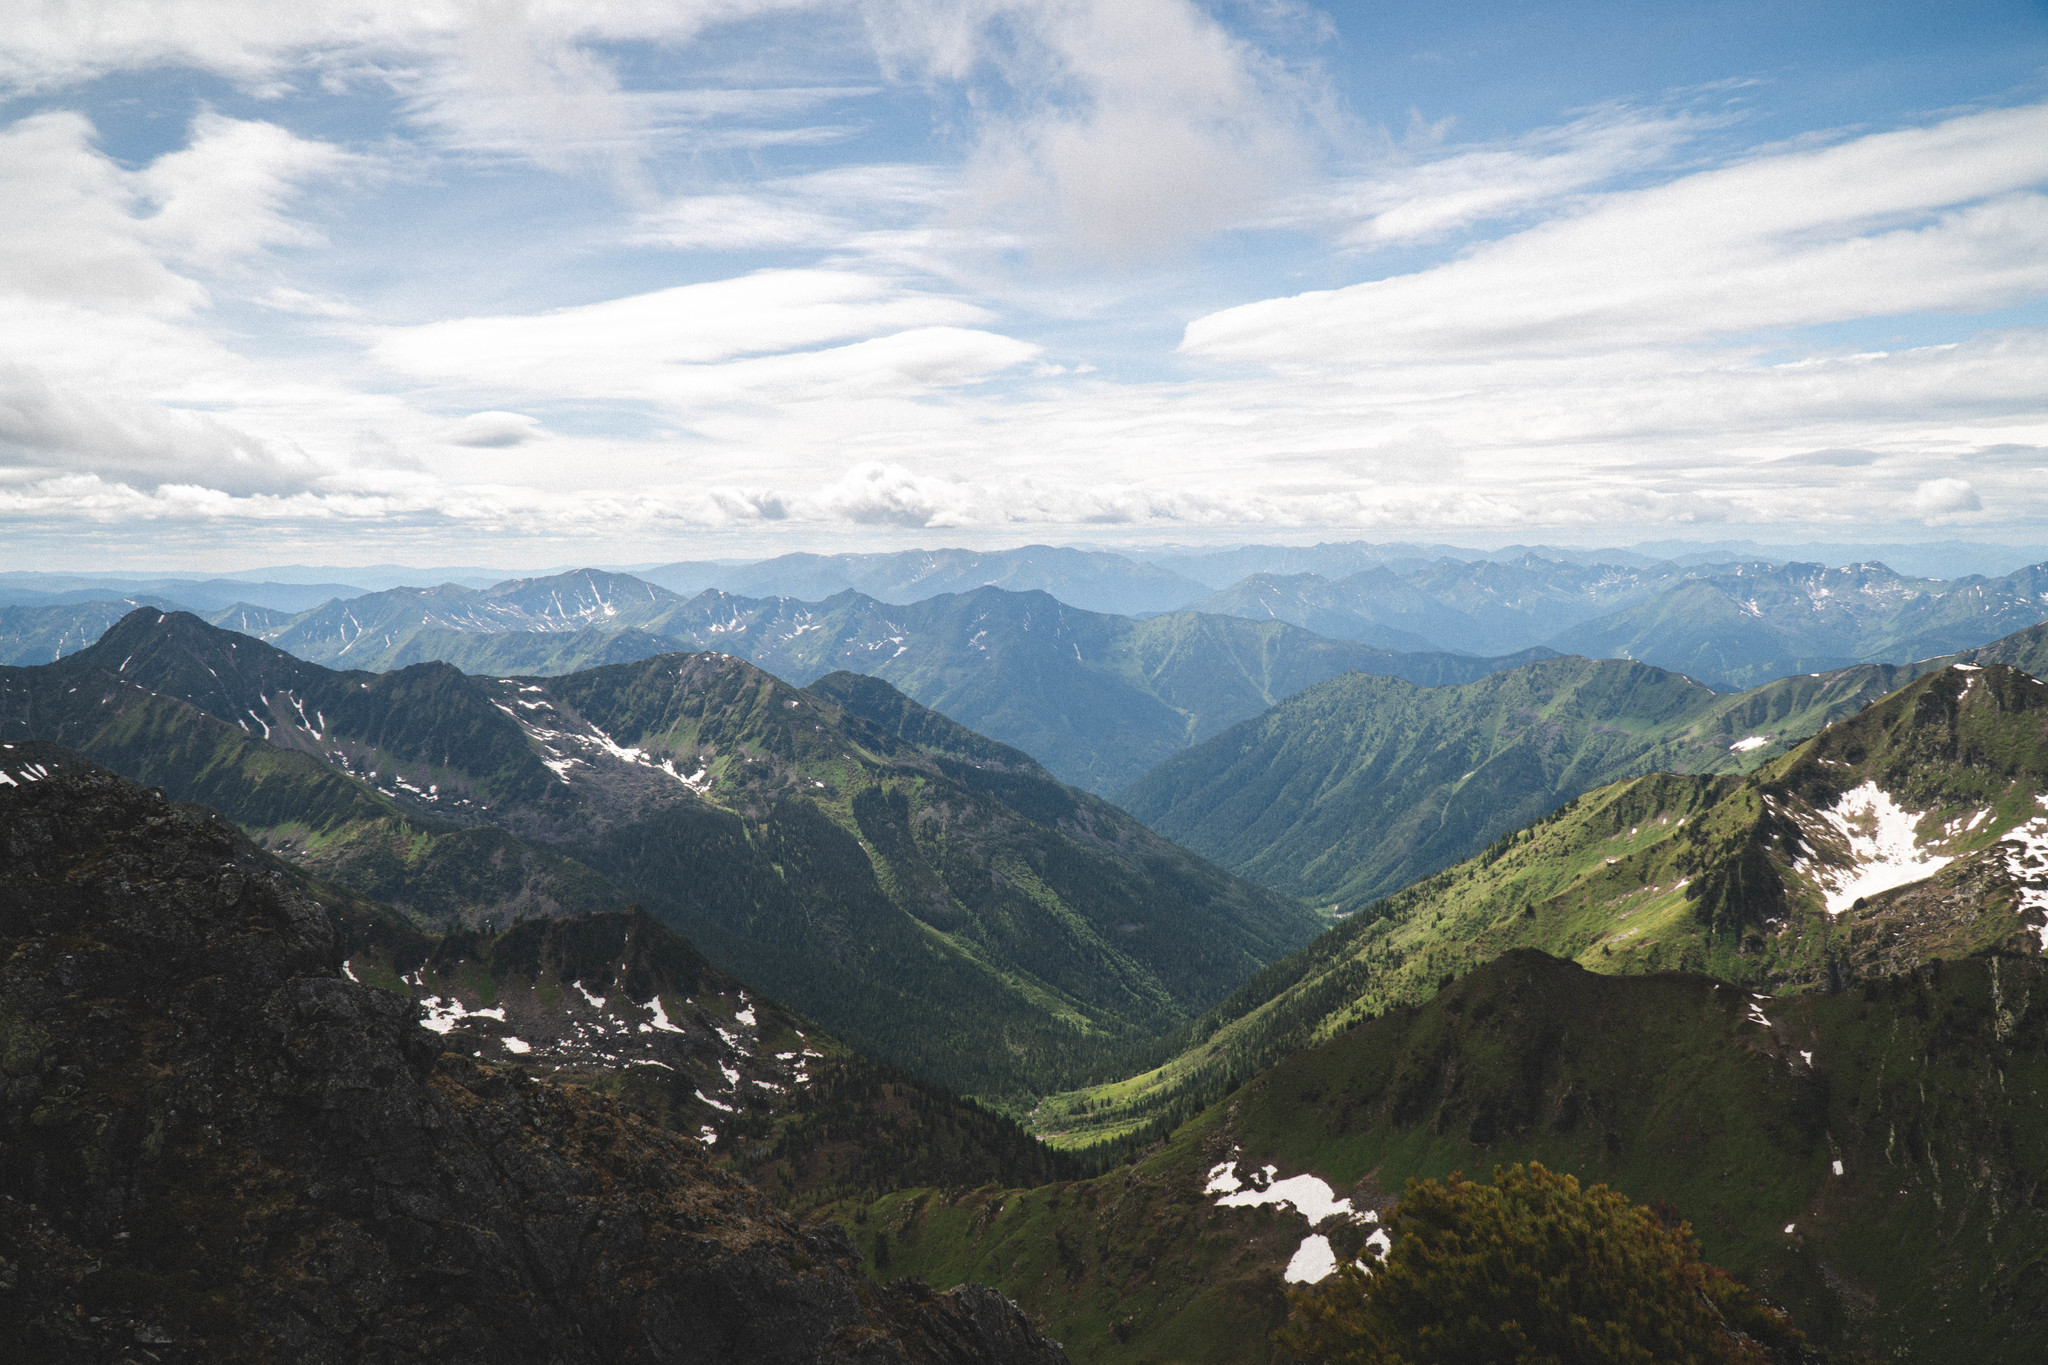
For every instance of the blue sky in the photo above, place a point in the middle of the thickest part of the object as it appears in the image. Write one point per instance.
(535, 283)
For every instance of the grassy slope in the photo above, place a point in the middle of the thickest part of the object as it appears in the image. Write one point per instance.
(1709, 873)
(1362, 785)
(1931, 1089)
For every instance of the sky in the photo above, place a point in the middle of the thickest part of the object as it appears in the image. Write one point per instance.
(363, 281)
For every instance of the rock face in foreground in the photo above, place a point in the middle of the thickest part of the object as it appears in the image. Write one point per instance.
(214, 1147)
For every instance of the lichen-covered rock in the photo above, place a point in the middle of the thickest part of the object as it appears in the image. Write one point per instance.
(214, 1147)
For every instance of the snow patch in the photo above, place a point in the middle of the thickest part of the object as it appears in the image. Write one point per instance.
(519, 1045)
(596, 1001)
(346, 970)
(715, 1104)
(1309, 1195)
(1885, 850)
(1838, 1168)
(1743, 746)
(443, 1015)
(1314, 1260)
(661, 1023)
(2026, 860)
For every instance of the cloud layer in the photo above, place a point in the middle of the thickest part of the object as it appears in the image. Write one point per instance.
(596, 274)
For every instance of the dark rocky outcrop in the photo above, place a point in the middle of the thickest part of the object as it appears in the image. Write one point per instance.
(215, 1147)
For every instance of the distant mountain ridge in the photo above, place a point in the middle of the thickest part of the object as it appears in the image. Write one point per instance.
(1091, 580)
(1728, 625)
(887, 888)
(1098, 698)
(1101, 697)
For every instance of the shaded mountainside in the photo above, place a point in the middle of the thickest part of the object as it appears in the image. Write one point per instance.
(1354, 788)
(1916, 830)
(617, 1002)
(218, 1148)
(1870, 1159)
(885, 890)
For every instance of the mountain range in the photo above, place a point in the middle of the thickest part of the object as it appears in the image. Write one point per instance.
(1101, 698)
(1728, 625)
(1097, 698)
(932, 896)
(1790, 994)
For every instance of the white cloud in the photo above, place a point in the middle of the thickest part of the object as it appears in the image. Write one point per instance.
(48, 429)
(705, 342)
(223, 197)
(1109, 128)
(71, 226)
(1415, 199)
(1940, 498)
(531, 78)
(493, 430)
(1935, 219)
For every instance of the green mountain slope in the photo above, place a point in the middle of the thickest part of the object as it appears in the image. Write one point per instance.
(525, 652)
(1356, 787)
(2026, 650)
(1917, 829)
(1870, 1159)
(888, 891)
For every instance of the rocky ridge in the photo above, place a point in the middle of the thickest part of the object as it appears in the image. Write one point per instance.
(215, 1146)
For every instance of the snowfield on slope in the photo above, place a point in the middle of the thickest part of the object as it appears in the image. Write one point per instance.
(1886, 853)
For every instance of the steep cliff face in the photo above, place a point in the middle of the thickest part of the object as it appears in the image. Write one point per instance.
(214, 1146)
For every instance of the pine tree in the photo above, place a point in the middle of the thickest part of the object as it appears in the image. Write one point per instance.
(1533, 1270)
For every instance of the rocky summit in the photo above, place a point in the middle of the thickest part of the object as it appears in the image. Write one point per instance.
(214, 1146)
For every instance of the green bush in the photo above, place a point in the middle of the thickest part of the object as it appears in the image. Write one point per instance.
(1533, 1270)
